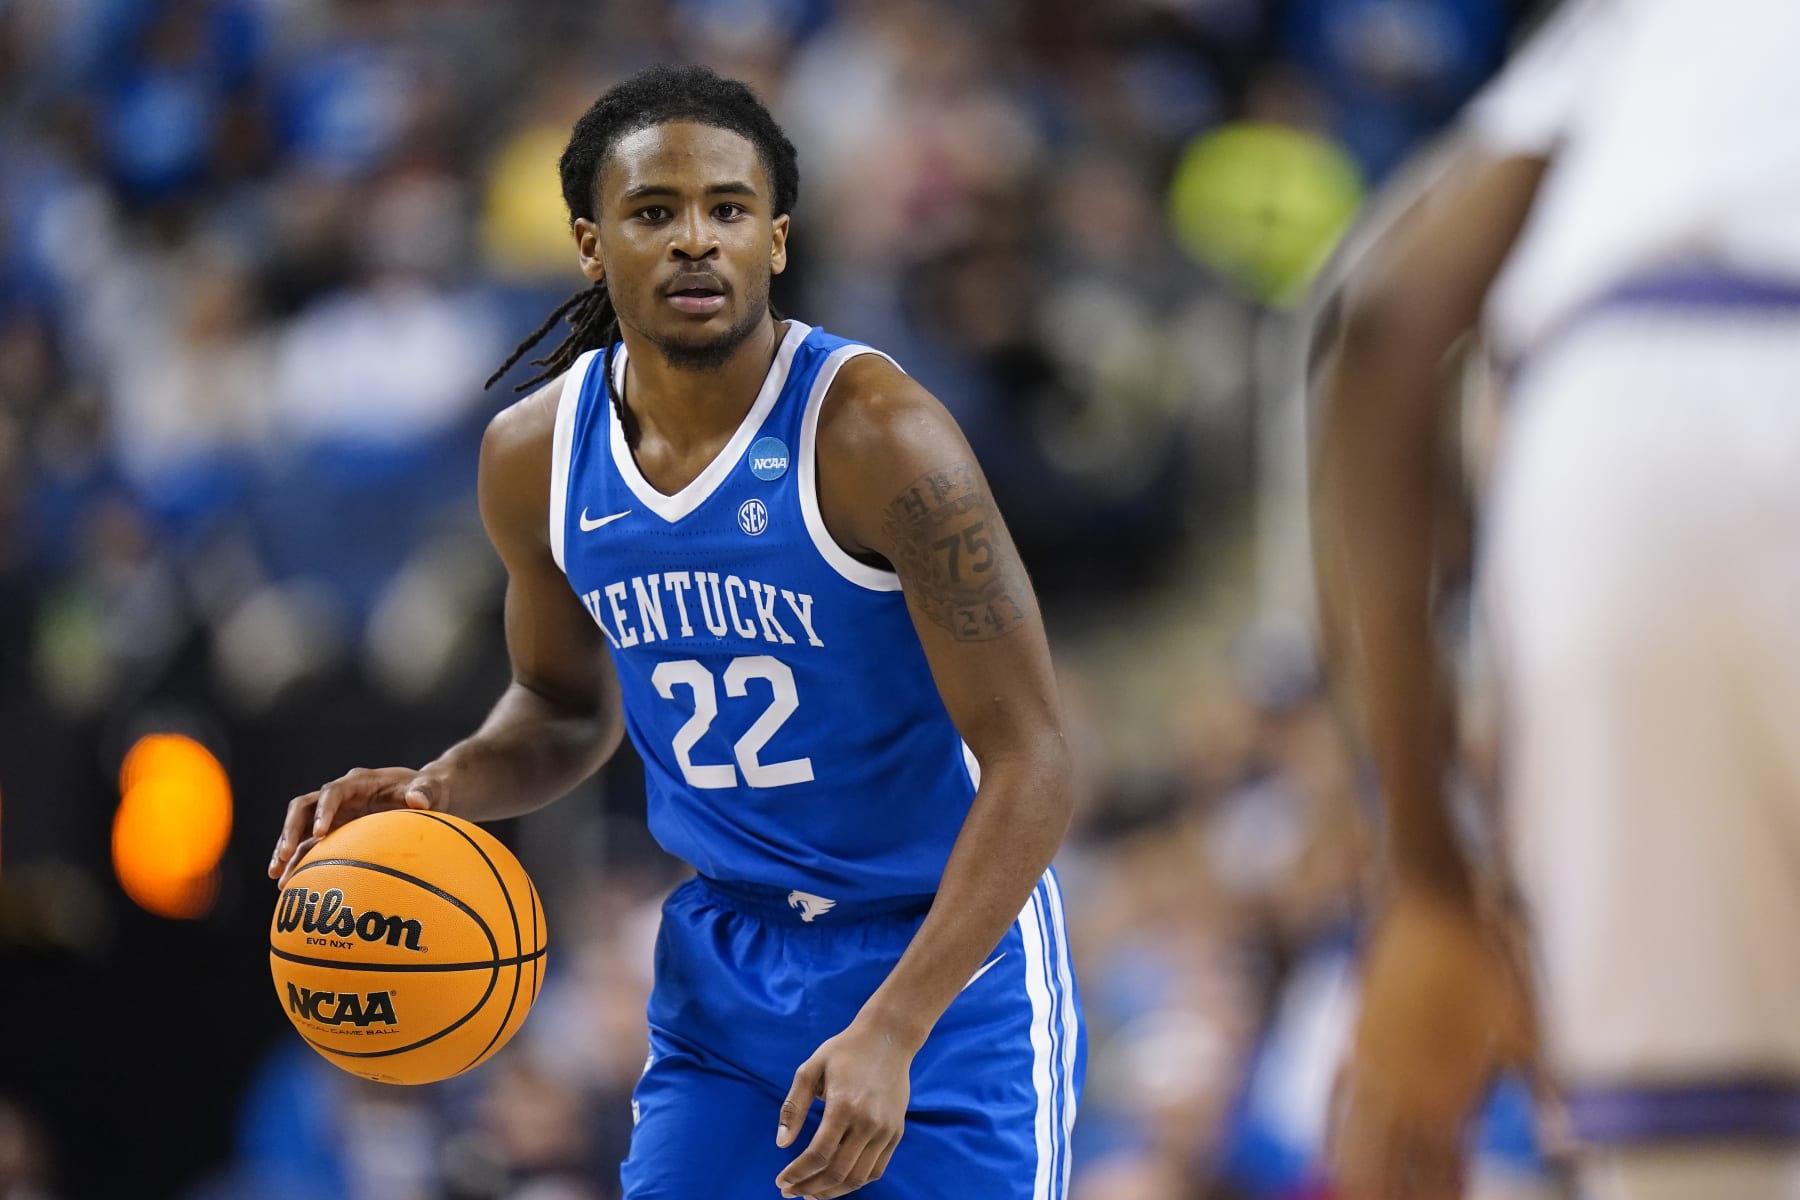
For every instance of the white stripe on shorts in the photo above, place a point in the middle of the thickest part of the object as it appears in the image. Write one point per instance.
(1043, 1013)
(1070, 1020)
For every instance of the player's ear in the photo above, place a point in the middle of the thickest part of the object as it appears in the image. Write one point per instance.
(778, 252)
(587, 249)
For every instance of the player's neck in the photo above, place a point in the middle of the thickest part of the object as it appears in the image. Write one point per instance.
(681, 405)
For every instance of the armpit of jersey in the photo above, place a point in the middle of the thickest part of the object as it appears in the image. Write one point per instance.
(1528, 108)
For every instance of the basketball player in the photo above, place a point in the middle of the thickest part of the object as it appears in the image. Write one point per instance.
(770, 557)
(1622, 224)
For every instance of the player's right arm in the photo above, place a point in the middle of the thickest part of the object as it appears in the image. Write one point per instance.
(560, 717)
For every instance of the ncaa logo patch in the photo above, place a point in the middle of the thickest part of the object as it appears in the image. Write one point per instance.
(753, 517)
(769, 458)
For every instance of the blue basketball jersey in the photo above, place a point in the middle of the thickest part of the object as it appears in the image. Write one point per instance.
(791, 732)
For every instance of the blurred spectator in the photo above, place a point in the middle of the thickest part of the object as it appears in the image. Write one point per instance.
(307, 1129)
(524, 224)
(24, 1156)
(1395, 69)
(345, 87)
(390, 362)
(191, 405)
(169, 120)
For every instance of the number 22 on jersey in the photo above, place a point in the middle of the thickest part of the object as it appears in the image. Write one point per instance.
(783, 701)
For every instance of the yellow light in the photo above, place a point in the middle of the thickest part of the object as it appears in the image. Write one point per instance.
(172, 827)
(1264, 205)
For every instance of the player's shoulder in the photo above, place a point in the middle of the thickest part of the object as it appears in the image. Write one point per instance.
(872, 406)
(516, 453)
(527, 424)
(880, 432)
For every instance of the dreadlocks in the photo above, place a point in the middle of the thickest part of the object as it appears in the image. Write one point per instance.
(652, 97)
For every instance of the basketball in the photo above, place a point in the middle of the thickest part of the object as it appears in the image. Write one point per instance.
(407, 946)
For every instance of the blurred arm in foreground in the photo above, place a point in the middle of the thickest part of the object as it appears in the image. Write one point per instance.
(1442, 1007)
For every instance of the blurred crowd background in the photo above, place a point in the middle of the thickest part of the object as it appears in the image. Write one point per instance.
(256, 257)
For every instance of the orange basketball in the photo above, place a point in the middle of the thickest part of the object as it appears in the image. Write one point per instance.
(407, 946)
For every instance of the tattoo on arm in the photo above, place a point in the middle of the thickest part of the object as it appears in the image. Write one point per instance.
(955, 557)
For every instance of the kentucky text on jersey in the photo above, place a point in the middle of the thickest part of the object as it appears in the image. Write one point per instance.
(645, 608)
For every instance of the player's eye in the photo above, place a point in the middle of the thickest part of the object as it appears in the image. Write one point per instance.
(652, 212)
(729, 212)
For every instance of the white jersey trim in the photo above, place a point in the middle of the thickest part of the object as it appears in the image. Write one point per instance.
(835, 556)
(562, 451)
(703, 485)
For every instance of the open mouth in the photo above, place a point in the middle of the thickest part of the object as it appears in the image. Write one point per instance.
(697, 293)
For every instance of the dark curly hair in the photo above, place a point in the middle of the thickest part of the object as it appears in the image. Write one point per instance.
(651, 97)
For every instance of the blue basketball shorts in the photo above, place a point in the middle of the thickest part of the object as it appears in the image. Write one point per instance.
(747, 987)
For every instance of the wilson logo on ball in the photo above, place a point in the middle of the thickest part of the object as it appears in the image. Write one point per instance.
(326, 913)
(342, 1008)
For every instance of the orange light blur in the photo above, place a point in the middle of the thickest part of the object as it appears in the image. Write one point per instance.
(172, 827)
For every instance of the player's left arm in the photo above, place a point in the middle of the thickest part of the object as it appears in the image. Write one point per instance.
(1441, 1005)
(898, 482)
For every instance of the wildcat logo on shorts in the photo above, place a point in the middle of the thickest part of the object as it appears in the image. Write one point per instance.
(361, 1009)
(753, 517)
(328, 917)
(810, 906)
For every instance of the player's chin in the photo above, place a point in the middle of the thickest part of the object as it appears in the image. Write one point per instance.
(696, 333)
(703, 344)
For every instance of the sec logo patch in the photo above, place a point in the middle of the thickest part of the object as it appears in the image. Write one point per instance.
(753, 517)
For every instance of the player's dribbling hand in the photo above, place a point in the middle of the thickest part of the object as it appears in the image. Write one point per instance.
(357, 794)
(865, 1077)
(1444, 1008)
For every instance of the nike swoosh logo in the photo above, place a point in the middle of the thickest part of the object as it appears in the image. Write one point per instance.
(588, 526)
(986, 967)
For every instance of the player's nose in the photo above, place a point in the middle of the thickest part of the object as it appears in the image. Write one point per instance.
(692, 238)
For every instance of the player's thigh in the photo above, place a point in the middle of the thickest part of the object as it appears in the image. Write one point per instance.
(1649, 689)
(702, 1131)
(1693, 1172)
(966, 1153)
(995, 1088)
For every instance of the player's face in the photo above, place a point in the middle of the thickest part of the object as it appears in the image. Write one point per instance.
(686, 239)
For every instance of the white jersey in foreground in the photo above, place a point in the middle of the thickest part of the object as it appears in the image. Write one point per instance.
(1671, 124)
(1641, 580)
